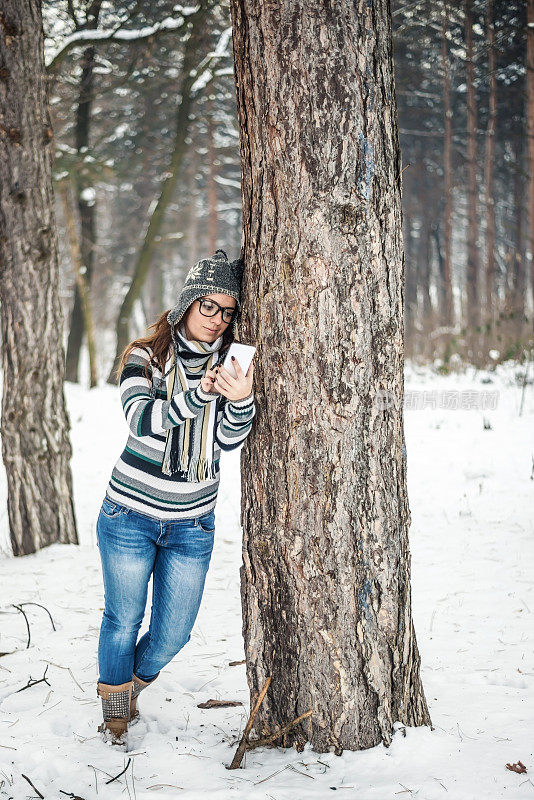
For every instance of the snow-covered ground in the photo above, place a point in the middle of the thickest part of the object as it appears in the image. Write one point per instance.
(472, 536)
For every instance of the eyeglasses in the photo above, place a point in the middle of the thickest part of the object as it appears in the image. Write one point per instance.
(209, 308)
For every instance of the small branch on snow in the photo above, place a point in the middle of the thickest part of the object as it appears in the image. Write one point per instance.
(18, 606)
(120, 773)
(278, 733)
(32, 785)
(31, 682)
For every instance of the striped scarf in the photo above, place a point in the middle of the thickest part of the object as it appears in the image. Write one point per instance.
(189, 447)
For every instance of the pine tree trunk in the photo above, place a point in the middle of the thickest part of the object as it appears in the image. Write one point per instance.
(530, 135)
(490, 282)
(80, 277)
(35, 425)
(472, 277)
(326, 566)
(213, 216)
(447, 309)
(86, 208)
(515, 298)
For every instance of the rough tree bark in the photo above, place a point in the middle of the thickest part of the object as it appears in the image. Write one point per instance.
(326, 567)
(35, 424)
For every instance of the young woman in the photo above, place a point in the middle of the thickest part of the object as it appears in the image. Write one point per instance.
(157, 518)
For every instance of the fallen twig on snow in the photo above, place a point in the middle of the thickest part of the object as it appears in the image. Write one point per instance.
(246, 744)
(18, 606)
(32, 785)
(31, 682)
(120, 773)
(236, 761)
(276, 735)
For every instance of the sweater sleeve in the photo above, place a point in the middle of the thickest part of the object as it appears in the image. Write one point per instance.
(235, 423)
(146, 415)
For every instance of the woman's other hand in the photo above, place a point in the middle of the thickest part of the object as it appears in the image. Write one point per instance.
(234, 388)
(207, 382)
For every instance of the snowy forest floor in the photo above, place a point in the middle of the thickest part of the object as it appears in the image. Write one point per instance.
(472, 537)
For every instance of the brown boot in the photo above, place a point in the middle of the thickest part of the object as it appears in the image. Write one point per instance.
(116, 711)
(138, 686)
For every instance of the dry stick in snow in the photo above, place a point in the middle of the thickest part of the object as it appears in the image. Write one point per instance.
(27, 623)
(18, 606)
(33, 787)
(61, 666)
(245, 744)
(31, 603)
(120, 773)
(276, 735)
(30, 683)
(236, 761)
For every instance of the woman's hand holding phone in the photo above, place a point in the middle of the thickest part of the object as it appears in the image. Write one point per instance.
(219, 381)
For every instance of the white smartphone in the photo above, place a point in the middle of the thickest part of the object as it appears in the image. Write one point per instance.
(244, 354)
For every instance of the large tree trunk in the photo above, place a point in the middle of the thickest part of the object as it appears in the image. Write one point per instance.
(326, 574)
(35, 440)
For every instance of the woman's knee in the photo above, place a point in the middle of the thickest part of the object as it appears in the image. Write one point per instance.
(123, 619)
(167, 648)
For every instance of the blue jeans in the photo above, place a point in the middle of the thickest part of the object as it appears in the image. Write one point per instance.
(133, 546)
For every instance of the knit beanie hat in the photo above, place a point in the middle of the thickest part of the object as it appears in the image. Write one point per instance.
(215, 275)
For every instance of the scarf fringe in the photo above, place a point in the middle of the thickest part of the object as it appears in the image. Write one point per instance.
(204, 470)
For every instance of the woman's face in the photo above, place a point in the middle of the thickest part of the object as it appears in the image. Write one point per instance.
(207, 329)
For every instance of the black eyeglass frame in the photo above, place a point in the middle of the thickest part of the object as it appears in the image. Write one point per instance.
(200, 300)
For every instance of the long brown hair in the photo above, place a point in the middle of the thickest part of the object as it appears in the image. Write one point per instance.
(160, 342)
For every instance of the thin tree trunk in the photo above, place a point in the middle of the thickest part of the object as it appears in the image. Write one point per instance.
(86, 206)
(212, 184)
(490, 282)
(530, 135)
(409, 220)
(472, 275)
(192, 233)
(35, 424)
(426, 311)
(326, 567)
(79, 277)
(516, 283)
(144, 259)
(422, 268)
(447, 311)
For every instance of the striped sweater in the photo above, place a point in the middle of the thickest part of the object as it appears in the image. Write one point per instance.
(137, 481)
